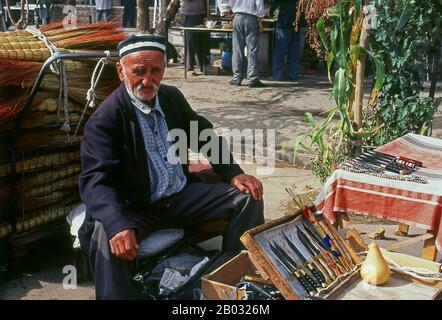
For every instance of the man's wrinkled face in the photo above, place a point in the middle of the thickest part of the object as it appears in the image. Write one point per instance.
(142, 73)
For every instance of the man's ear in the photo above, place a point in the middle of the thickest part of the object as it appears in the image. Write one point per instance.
(120, 71)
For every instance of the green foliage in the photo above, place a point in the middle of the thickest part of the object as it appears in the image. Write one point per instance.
(327, 150)
(226, 46)
(406, 30)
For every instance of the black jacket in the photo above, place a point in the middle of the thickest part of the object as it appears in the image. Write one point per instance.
(114, 176)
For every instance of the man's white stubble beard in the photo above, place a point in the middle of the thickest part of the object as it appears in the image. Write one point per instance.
(142, 98)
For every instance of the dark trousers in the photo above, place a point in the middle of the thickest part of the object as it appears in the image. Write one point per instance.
(196, 43)
(287, 45)
(129, 14)
(196, 204)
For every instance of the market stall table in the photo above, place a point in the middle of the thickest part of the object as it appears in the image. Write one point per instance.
(406, 202)
(216, 30)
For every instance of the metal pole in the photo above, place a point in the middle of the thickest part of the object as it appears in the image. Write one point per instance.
(155, 8)
(2, 17)
(92, 18)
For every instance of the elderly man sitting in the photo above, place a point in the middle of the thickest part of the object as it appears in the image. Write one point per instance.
(131, 182)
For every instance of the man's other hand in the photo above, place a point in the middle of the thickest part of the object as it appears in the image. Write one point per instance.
(124, 245)
(248, 184)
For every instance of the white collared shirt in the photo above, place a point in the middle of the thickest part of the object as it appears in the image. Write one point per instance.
(253, 7)
(144, 107)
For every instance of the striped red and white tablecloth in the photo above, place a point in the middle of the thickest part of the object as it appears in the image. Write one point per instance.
(406, 202)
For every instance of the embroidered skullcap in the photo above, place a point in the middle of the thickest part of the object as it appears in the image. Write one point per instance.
(142, 42)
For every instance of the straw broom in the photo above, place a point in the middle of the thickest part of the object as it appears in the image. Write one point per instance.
(29, 141)
(83, 38)
(5, 229)
(30, 204)
(41, 162)
(22, 73)
(45, 216)
(44, 183)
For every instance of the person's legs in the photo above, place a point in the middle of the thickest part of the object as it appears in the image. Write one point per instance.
(200, 41)
(98, 15)
(238, 41)
(294, 55)
(281, 50)
(132, 15)
(190, 44)
(252, 41)
(126, 16)
(106, 14)
(112, 276)
(199, 203)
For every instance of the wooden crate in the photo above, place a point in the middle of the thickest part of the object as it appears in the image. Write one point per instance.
(220, 284)
(347, 286)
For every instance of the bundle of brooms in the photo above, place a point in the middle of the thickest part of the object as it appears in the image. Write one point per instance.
(43, 183)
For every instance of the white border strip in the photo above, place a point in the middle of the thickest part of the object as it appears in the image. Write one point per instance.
(389, 195)
(142, 44)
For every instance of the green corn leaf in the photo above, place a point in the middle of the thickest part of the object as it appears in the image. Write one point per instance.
(339, 88)
(296, 141)
(358, 6)
(380, 69)
(320, 25)
(318, 135)
(340, 57)
(330, 59)
(311, 119)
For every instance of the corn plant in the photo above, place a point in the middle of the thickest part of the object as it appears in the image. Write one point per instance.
(339, 30)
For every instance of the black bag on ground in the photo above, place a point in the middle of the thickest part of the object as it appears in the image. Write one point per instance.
(170, 277)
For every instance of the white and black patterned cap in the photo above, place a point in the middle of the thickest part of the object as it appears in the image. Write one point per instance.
(142, 42)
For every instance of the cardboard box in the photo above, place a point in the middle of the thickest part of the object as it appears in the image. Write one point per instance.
(219, 284)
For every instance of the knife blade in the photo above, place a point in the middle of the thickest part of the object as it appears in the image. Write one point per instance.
(309, 279)
(320, 277)
(307, 287)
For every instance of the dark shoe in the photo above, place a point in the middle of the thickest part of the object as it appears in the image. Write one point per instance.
(235, 82)
(293, 79)
(256, 84)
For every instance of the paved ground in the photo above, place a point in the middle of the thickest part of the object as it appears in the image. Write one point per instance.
(279, 106)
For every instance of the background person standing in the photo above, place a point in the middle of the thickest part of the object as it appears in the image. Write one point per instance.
(193, 12)
(129, 13)
(247, 25)
(103, 8)
(287, 40)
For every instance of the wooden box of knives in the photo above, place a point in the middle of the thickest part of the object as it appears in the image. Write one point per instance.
(306, 258)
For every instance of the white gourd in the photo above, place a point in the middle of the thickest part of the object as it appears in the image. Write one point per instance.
(375, 270)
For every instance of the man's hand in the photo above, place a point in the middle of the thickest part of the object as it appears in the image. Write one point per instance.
(228, 15)
(248, 184)
(124, 245)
